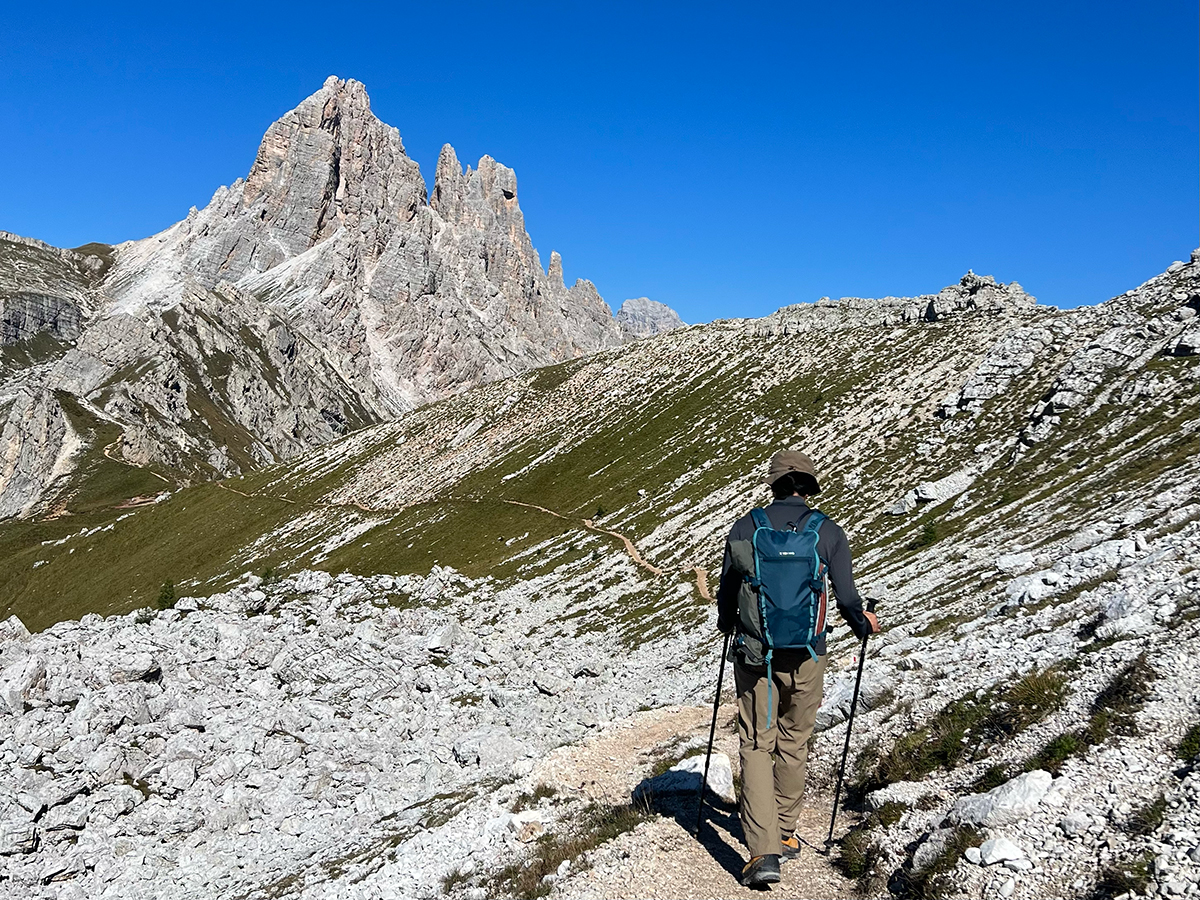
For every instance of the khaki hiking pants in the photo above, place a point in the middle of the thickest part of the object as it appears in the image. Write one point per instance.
(775, 759)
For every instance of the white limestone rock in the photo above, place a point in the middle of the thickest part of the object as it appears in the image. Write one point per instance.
(1010, 802)
(684, 778)
(997, 850)
(133, 667)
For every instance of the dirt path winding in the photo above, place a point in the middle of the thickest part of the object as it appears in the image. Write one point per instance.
(108, 452)
(633, 552)
(700, 574)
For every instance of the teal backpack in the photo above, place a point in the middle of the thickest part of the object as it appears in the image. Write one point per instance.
(789, 579)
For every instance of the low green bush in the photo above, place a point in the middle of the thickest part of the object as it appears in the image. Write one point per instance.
(1189, 747)
(597, 825)
(934, 882)
(166, 595)
(962, 729)
(1127, 877)
(528, 799)
(1112, 711)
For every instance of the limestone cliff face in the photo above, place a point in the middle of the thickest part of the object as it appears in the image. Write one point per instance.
(321, 293)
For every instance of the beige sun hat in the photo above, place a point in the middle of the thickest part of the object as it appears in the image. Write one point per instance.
(791, 461)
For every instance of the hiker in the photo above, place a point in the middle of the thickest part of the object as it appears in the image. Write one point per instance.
(779, 690)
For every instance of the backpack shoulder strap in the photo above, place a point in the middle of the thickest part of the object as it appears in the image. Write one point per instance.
(815, 520)
(759, 515)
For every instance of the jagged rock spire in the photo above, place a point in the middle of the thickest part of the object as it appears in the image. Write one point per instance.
(449, 185)
(555, 273)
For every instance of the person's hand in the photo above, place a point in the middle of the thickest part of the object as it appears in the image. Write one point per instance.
(872, 621)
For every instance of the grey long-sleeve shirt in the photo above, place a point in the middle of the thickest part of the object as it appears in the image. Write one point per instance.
(832, 547)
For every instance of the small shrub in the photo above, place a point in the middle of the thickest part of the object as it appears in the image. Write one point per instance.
(453, 879)
(1125, 695)
(1057, 751)
(857, 853)
(993, 777)
(1189, 747)
(857, 850)
(891, 812)
(1112, 711)
(166, 595)
(934, 882)
(963, 728)
(529, 799)
(1087, 630)
(929, 535)
(1126, 877)
(1145, 820)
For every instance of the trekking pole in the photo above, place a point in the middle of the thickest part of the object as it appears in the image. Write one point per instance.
(712, 733)
(837, 794)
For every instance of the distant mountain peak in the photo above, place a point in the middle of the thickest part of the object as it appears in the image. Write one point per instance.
(642, 317)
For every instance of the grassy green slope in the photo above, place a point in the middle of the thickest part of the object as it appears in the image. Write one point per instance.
(660, 440)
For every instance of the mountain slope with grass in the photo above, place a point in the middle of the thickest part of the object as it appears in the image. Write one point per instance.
(394, 628)
(324, 292)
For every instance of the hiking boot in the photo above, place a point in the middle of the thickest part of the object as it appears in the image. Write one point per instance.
(790, 849)
(761, 870)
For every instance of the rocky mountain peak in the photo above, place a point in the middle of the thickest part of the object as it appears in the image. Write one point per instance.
(327, 164)
(642, 317)
(329, 253)
(498, 181)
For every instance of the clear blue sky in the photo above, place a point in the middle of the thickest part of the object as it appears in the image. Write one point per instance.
(725, 159)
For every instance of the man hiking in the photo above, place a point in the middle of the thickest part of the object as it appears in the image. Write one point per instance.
(779, 679)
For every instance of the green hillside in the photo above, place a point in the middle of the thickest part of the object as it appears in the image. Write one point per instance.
(661, 441)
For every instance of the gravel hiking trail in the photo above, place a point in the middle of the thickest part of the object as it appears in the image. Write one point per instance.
(661, 858)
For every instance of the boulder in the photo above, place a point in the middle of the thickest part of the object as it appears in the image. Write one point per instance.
(835, 705)
(17, 837)
(1011, 802)
(930, 849)
(998, 850)
(18, 681)
(944, 488)
(1015, 563)
(136, 666)
(490, 746)
(70, 816)
(906, 792)
(14, 630)
(442, 640)
(550, 685)
(684, 777)
(1075, 823)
